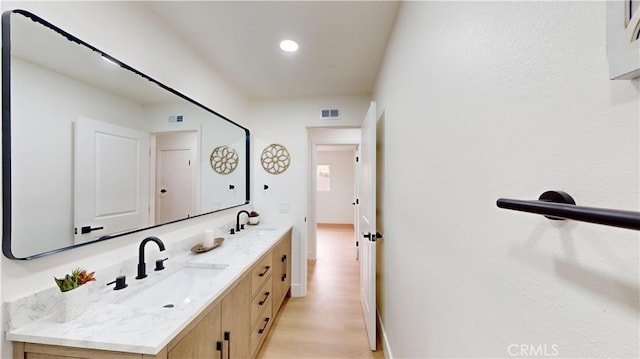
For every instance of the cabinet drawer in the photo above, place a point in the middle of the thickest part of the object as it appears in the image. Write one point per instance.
(261, 300)
(260, 273)
(261, 327)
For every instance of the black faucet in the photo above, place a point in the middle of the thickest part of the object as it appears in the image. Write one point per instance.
(238, 219)
(142, 271)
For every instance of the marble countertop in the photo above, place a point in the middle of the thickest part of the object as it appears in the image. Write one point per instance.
(109, 325)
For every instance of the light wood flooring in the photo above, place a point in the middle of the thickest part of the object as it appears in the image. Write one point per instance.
(328, 322)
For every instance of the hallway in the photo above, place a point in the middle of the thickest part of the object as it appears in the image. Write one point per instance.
(328, 322)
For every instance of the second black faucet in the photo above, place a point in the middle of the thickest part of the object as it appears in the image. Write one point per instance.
(142, 267)
(238, 219)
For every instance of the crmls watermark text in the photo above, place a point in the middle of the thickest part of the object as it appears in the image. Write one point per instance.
(533, 350)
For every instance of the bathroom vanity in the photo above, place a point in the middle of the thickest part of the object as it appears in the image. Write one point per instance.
(216, 304)
(237, 290)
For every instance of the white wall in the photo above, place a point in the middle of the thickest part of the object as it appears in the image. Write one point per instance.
(505, 99)
(143, 43)
(335, 205)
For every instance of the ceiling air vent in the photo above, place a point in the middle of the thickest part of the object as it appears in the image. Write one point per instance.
(329, 114)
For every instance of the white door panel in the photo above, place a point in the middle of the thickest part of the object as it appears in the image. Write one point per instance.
(111, 179)
(358, 236)
(367, 222)
(176, 173)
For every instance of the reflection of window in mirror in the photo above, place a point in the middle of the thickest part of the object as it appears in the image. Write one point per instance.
(323, 177)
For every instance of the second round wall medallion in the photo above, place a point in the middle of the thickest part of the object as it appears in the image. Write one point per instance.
(224, 159)
(275, 159)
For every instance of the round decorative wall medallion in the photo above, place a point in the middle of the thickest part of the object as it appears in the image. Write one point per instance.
(275, 159)
(224, 159)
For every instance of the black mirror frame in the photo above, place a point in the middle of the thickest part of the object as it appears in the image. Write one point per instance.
(6, 134)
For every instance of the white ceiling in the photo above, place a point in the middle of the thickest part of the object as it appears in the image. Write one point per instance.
(342, 43)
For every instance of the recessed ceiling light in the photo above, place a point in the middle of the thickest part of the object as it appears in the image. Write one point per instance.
(289, 46)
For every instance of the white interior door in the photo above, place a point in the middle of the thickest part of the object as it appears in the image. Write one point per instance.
(367, 222)
(175, 176)
(356, 208)
(111, 179)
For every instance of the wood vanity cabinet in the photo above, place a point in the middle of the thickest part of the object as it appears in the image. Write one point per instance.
(223, 332)
(232, 327)
(261, 295)
(282, 271)
(235, 320)
(202, 341)
(271, 282)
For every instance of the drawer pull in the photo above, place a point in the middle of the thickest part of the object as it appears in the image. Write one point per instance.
(227, 337)
(284, 258)
(266, 322)
(266, 270)
(219, 348)
(266, 296)
(284, 277)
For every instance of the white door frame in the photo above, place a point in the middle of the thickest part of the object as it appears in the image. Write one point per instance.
(153, 170)
(321, 136)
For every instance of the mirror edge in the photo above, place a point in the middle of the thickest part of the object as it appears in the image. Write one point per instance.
(6, 136)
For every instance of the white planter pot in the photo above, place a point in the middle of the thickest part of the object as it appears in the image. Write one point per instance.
(73, 303)
(254, 220)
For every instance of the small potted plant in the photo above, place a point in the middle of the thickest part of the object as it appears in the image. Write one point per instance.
(74, 294)
(254, 217)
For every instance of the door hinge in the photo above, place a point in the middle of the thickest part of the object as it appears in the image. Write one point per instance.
(357, 243)
(357, 158)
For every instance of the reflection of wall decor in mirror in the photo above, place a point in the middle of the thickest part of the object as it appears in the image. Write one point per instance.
(57, 90)
(224, 159)
(623, 39)
(275, 159)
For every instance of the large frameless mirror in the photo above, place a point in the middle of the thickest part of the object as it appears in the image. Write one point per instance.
(94, 149)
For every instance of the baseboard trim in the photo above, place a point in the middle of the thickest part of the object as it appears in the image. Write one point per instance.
(386, 348)
(335, 221)
(296, 290)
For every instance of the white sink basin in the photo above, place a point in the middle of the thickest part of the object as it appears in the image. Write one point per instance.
(176, 290)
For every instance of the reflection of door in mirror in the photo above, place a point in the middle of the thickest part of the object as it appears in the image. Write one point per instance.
(176, 166)
(53, 81)
(111, 176)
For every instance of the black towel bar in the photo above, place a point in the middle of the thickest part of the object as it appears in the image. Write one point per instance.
(560, 205)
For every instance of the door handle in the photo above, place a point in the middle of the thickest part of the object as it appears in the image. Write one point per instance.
(88, 229)
(163, 191)
(372, 237)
